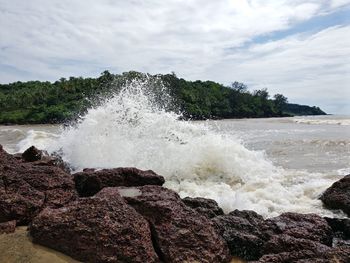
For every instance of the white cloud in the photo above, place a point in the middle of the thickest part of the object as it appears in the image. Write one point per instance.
(310, 69)
(48, 39)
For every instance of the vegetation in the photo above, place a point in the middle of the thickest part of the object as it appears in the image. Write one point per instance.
(65, 99)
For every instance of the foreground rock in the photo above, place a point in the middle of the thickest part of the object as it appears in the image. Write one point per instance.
(90, 182)
(25, 189)
(180, 234)
(8, 227)
(245, 233)
(338, 195)
(102, 228)
(204, 206)
(42, 158)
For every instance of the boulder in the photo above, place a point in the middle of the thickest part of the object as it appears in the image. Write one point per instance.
(338, 195)
(90, 182)
(330, 255)
(304, 226)
(204, 206)
(8, 227)
(42, 158)
(180, 234)
(340, 227)
(102, 228)
(33, 154)
(245, 233)
(25, 189)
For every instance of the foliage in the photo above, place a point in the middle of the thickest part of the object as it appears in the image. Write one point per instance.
(66, 99)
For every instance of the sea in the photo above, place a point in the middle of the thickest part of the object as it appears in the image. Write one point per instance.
(270, 165)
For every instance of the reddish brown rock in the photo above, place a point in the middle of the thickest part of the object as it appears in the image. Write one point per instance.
(8, 227)
(304, 226)
(102, 228)
(90, 182)
(25, 189)
(179, 233)
(245, 233)
(338, 195)
(204, 206)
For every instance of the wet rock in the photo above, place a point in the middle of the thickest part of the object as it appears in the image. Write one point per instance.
(330, 255)
(340, 226)
(90, 182)
(204, 206)
(25, 189)
(102, 228)
(305, 226)
(33, 154)
(338, 195)
(8, 227)
(179, 233)
(245, 233)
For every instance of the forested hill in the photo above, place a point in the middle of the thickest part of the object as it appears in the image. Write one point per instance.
(65, 99)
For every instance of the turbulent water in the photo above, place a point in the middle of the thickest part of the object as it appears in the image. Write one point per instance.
(268, 165)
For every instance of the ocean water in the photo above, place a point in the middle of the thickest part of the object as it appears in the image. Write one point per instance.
(267, 165)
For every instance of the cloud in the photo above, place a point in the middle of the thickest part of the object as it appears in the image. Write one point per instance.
(51, 39)
(307, 68)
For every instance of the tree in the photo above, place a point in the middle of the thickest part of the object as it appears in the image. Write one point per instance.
(280, 101)
(240, 87)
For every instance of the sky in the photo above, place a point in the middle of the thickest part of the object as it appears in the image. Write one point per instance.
(300, 48)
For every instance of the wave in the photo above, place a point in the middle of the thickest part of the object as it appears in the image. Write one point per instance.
(132, 129)
(320, 121)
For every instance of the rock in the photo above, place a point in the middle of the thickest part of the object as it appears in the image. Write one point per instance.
(340, 226)
(90, 182)
(25, 189)
(204, 206)
(33, 154)
(245, 233)
(180, 234)
(8, 227)
(338, 195)
(42, 158)
(304, 226)
(331, 255)
(102, 228)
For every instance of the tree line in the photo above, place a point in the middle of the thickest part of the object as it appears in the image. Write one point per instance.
(66, 99)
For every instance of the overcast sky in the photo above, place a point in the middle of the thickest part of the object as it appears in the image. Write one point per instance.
(300, 48)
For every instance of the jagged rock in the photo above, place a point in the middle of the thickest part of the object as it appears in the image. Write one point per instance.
(330, 255)
(338, 195)
(245, 233)
(304, 226)
(8, 227)
(33, 154)
(25, 189)
(90, 182)
(102, 228)
(204, 206)
(180, 234)
(340, 226)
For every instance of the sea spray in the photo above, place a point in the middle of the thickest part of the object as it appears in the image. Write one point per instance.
(131, 129)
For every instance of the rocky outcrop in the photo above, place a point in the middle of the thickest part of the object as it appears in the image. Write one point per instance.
(102, 228)
(90, 182)
(204, 206)
(304, 226)
(25, 189)
(8, 227)
(33, 154)
(340, 226)
(245, 233)
(179, 233)
(338, 195)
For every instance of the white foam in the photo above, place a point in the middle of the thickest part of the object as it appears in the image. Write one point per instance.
(320, 121)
